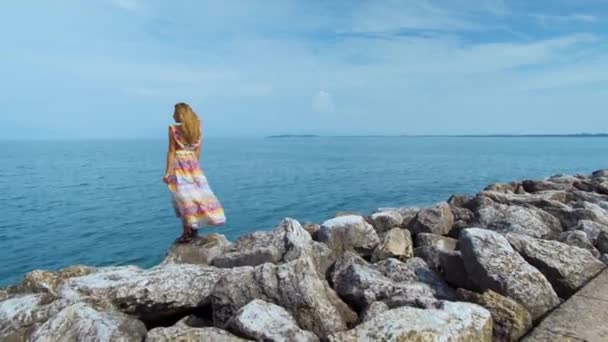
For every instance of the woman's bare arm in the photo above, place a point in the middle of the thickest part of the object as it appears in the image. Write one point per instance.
(170, 153)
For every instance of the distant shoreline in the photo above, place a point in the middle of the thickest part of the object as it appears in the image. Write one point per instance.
(580, 135)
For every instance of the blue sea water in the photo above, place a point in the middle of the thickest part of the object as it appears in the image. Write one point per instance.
(103, 203)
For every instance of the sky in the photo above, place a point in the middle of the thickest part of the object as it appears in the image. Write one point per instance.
(115, 68)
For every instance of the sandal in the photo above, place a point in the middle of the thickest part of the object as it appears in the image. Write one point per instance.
(184, 239)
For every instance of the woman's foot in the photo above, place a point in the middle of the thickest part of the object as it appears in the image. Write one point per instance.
(184, 239)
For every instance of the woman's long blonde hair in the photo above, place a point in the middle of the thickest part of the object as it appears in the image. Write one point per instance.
(190, 123)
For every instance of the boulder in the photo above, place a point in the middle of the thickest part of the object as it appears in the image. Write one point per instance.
(600, 173)
(454, 322)
(164, 290)
(407, 213)
(396, 243)
(349, 233)
(437, 220)
(521, 220)
(511, 320)
(604, 258)
(202, 250)
(569, 216)
(544, 185)
(22, 314)
(373, 310)
(506, 188)
(312, 229)
(578, 238)
(566, 267)
(41, 281)
(384, 221)
(428, 240)
(81, 322)
(360, 284)
(287, 242)
(264, 321)
(602, 242)
(294, 285)
(592, 229)
(186, 333)
(492, 264)
(416, 270)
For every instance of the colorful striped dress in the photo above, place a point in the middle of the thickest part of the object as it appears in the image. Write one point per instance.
(193, 200)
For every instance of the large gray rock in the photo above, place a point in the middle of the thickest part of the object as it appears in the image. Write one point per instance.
(407, 213)
(566, 267)
(521, 220)
(455, 322)
(373, 310)
(592, 229)
(22, 314)
(150, 294)
(264, 321)
(492, 264)
(186, 333)
(202, 250)
(428, 240)
(287, 242)
(579, 238)
(42, 281)
(602, 242)
(569, 215)
(437, 220)
(511, 320)
(349, 233)
(416, 270)
(295, 285)
(396, 243)
(384, 221)
(360, 284)
(81, 322)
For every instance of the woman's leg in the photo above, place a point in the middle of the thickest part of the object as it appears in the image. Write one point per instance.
(187, 233)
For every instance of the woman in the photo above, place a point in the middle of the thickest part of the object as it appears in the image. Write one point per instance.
(193, 200)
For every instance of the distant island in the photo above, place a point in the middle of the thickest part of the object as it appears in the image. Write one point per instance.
(293, 136)
(572, 135)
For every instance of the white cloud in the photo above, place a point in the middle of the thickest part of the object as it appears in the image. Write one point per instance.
(322, 102)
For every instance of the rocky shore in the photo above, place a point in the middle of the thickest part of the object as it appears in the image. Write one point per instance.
(487, 267)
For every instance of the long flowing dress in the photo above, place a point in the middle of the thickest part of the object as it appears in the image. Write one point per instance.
(193, 200)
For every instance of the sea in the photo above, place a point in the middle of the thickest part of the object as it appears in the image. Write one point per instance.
(102, 202)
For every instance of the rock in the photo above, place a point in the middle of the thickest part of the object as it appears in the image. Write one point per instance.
(373, 310)
(81, 322)
(186, 333)
(521, 220)
(295, 285)
(461, 201)
(544, 185)
(455, 322)
(346, 213)
(566, 267)
(287, 242)
(437, 220)
(22, 314)
(151, 294)
(360, 284)
(507, 188)
(312, 229)
(578, 238)
(41, 281)
(264, 321)
(600, 173)
(602, 242)
(604, 258)
(492, 264)
(397, 243)
(427, 240)
(570, 216)
(386, 220)
(349, 233)
(592, 229)
(511, 320)
(201, 251)
(416, 270)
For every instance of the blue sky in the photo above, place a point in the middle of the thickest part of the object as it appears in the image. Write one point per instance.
(114, 68)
